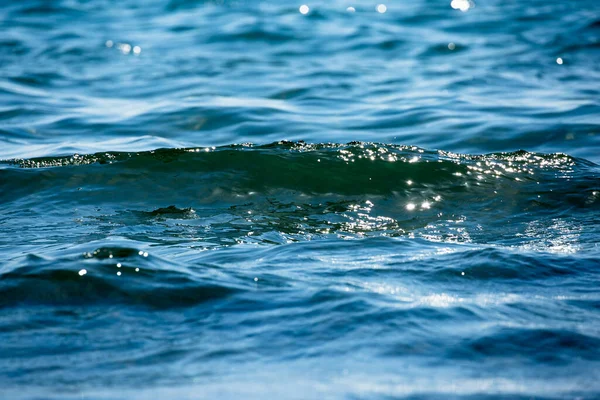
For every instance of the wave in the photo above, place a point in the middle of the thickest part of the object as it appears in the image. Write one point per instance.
(297, 191)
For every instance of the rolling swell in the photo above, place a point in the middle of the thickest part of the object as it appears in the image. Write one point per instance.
(298, 191)
(248, 304)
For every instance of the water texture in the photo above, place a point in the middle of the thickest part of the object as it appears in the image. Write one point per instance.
(332, 200)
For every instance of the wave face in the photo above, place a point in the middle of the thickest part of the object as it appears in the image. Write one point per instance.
(288, 192)
(214, 199)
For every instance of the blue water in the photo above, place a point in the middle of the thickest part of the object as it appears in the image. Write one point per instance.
(235, 199)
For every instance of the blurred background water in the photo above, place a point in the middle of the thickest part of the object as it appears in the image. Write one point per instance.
(341, 199)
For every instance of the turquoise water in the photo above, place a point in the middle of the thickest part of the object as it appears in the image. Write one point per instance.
(206, 199)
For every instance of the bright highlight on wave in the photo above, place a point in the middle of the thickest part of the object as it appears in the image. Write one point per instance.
(380, 8)
(462, 5)
(304, 9)
(125, 48)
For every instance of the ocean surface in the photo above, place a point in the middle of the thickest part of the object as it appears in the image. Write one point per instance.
(278, 200)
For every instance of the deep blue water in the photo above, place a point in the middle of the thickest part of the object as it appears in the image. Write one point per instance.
(235, 199)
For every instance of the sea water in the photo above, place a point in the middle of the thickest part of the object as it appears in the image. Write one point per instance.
(328, 200)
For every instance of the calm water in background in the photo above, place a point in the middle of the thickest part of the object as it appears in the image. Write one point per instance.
(207, 199)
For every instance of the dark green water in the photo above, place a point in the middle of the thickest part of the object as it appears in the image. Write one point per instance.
(239, 200)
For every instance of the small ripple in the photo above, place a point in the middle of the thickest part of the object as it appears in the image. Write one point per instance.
(110, 275)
